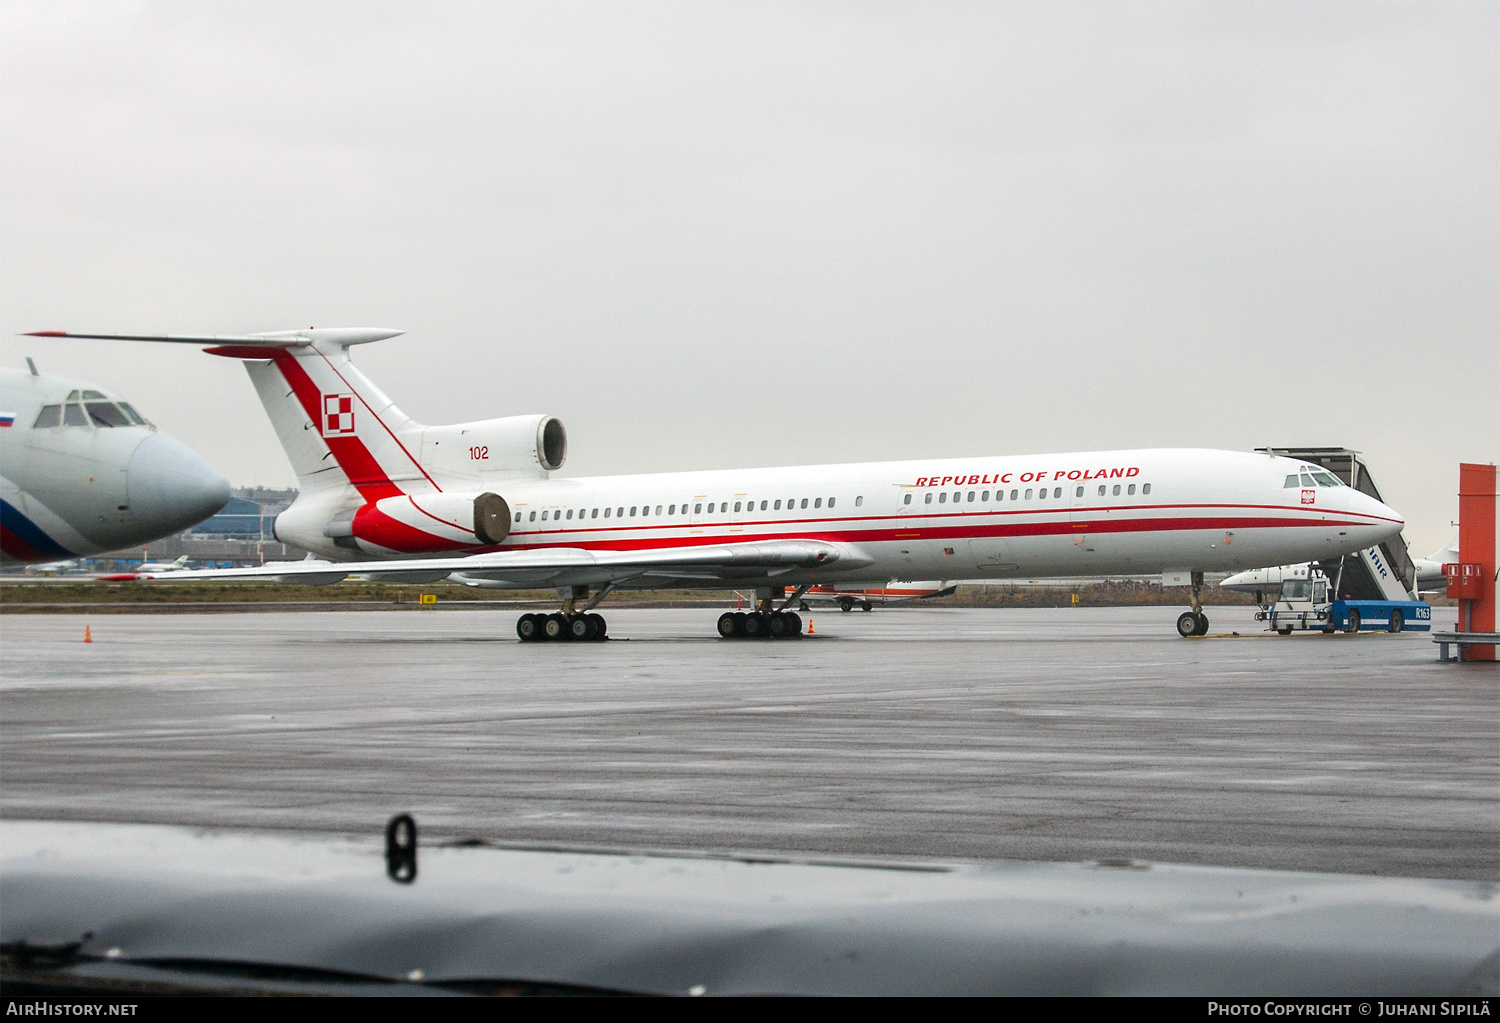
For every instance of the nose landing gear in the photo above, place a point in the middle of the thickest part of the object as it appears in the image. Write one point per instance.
(1194, 622)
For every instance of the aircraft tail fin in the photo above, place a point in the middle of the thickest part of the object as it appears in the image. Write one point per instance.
(1448, 553)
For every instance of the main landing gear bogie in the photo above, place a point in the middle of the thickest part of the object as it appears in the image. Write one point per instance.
(760, 625)
(557, 626)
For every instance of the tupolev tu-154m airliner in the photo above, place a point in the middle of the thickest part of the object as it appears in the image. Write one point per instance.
(391, 499)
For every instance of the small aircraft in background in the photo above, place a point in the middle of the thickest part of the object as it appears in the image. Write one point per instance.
(180, 565)
(897, 591)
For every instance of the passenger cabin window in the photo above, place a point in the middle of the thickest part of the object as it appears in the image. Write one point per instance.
(928, 499)
(607, 511)
(1101, 489)
(1013, 494)
(1080, 492)
(658, 509)
(831, 500)
(857, 500)
(985, 496)
(533, 517)
(943, 497)
(632, 511)
(763, 506)
(1041, 495)
(971, 497)
(1117, 490)
(818, 503)
(1130, 489)
(594, 514)
(697, 509)
(518, 516)
(778, 506)
(50, 415)
(544, 516)
(1028, 493)
(1145, 488)
(804, 502)
(1057, 491)
(619, 513)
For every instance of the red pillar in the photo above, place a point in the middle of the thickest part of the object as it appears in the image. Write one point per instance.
(1476, 545)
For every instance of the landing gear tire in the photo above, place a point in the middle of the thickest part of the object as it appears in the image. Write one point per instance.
(1202, 624)
(1354, 623)
(601, 628)
(555, 626)
(795, 621)
(1398, 621)
(581, 628)
(755, 626)
(528, 628)
(728, 627)
(1187, 624)
(780, 625)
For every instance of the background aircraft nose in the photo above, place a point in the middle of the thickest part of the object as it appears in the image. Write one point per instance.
(170, 487)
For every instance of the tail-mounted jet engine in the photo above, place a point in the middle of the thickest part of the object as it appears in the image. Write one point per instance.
(422, 524)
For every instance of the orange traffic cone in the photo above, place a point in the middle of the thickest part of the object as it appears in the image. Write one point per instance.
(86, 637)
(810, 630)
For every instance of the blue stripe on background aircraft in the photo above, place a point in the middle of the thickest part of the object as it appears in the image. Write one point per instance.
(388, 498)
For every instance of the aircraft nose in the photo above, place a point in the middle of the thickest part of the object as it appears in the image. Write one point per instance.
(170, 487)
(1379, 522)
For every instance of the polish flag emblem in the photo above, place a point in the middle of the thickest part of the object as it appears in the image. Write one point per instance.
(338, 414)
(1309, 496)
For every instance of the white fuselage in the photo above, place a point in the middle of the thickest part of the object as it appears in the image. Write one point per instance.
(97, 479)
(1159, 509)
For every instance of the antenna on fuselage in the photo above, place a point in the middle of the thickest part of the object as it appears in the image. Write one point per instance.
(31, 366)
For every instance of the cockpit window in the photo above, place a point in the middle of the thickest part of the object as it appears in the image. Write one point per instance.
(1307, 480)
(72, 396)
(1325, 480)
(1291, 482)
(73, 415)
(104, 413)
(94, 396)
(50, 415)
(136, 419)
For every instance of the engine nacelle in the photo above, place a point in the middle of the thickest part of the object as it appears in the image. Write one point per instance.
(423, 524)
(515, 445)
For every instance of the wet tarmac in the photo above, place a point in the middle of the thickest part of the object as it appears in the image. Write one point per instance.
(1069, 734)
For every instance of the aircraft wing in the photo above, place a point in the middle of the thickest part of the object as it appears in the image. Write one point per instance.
(561, 566)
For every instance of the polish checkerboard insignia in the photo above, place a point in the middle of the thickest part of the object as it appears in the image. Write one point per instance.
(338, 415)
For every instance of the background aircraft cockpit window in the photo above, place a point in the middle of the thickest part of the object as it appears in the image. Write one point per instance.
(73, 415)
(50, 415)
(104, 413)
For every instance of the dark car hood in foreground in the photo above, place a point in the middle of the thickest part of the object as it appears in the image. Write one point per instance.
(246, 911)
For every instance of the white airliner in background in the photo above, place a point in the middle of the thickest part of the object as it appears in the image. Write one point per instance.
(478, 498)
(1266, 582)
(81, 472)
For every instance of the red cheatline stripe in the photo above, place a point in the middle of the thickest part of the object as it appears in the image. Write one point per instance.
(434, 518)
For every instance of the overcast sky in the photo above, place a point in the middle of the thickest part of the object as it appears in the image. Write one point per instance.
(707, 235)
